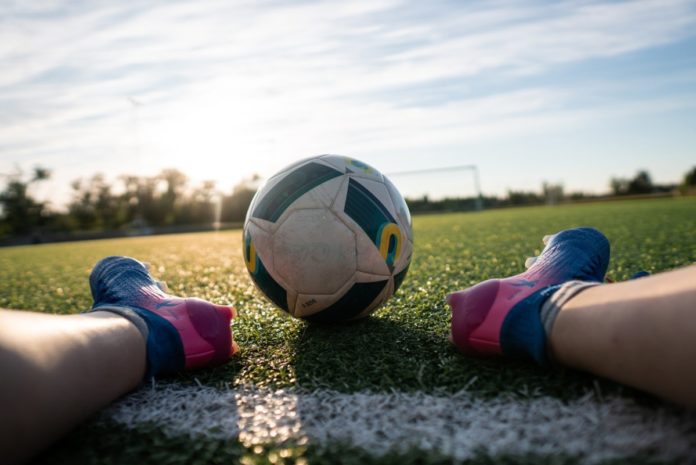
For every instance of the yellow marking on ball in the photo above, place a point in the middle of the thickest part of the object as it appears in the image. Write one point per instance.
(359, 165)
(250, 259)
(388, 231)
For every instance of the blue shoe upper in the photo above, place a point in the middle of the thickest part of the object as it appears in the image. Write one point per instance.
(579, 253)
(573, 254)
(122, 285)
(121, 281)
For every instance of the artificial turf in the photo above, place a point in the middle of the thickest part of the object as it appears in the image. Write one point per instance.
(105, 444)
(403, 346)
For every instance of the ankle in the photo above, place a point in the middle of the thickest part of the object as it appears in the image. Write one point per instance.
(552, 307)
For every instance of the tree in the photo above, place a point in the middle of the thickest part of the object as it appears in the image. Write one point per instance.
(641, 184)
(690, 178)
(619, 186)
(175, 185)
(523, 198)
(552, 193)
(22, 214)
(94, 206)
(235, 205)
(199, 206)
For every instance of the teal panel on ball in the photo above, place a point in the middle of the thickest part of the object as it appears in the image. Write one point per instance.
(366, 210)
(269, 286)
(353, 302)
(399, 278)
(290, 188)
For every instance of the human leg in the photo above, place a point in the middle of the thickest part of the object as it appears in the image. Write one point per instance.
(180, 333)
(56, 370)
(641, 333)
(501, 316)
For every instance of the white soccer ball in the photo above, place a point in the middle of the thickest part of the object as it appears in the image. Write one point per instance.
(328, 239)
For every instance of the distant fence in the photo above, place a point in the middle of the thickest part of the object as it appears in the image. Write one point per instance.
(50, 237)
(612, 198)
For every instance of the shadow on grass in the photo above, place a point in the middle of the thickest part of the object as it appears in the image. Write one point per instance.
(389, 351)
(379, 354)
(373, 353)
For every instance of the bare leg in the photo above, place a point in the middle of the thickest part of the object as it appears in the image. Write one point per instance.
(641, 333)
(58, 370)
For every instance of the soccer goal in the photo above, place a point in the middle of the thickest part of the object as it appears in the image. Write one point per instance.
(445, 181)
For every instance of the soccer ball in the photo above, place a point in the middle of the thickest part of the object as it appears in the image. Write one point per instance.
(328, 239)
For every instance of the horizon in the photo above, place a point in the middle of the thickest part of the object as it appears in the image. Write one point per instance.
(570, 93)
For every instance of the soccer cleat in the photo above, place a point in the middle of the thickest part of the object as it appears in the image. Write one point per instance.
(180, 333)
(502, 316)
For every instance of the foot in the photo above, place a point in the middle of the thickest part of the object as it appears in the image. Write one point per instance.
(180, 333)
(501, 316)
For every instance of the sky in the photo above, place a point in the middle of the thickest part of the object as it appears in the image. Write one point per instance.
(564, 92)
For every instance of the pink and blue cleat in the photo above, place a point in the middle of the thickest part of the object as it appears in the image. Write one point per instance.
(180, 334)
(502, 316)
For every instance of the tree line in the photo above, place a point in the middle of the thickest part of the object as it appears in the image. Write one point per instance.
(550, 194)
(132, 202)
(169, 200)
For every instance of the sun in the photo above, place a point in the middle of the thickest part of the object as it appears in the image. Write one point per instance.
(204, 136)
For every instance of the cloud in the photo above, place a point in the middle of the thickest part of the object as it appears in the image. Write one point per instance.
(207, 84)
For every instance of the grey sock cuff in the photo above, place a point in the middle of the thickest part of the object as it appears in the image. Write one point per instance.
(128, 314)
(550, 308)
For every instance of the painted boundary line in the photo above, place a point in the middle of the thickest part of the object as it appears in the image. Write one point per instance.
(455, 425)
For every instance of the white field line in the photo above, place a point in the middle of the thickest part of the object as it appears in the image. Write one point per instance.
(455, 425)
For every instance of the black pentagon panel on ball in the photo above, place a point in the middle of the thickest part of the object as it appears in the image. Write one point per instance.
(353, 302)
(292, 187)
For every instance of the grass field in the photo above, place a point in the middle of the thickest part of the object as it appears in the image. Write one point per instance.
(398, 356)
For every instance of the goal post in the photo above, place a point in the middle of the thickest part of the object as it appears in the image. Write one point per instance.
(448, 169)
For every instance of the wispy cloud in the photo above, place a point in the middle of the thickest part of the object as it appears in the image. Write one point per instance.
(211, 84)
